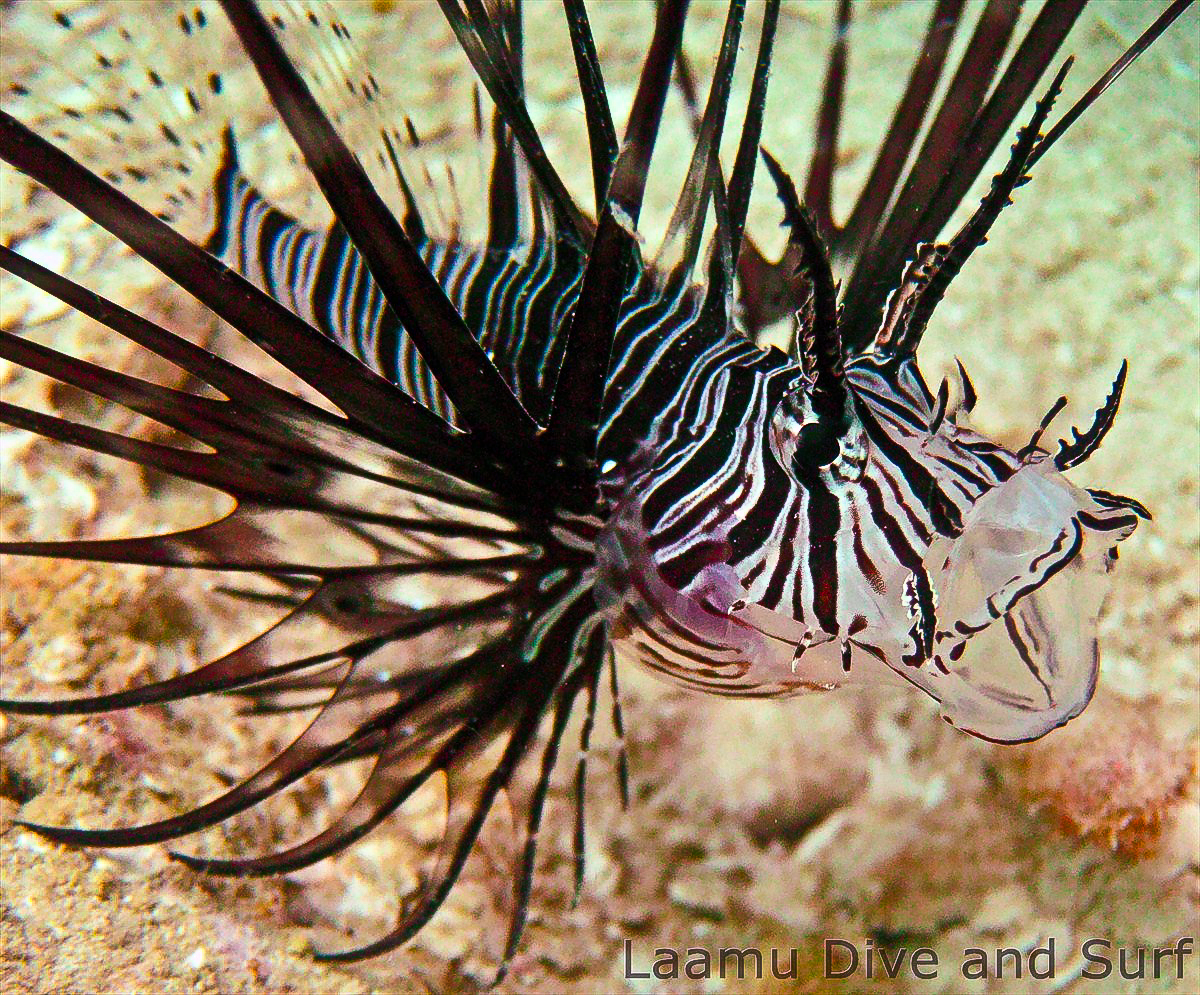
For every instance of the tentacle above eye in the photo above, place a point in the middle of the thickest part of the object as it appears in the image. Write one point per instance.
(1082, 445)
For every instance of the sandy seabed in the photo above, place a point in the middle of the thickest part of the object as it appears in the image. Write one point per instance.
(860, 816)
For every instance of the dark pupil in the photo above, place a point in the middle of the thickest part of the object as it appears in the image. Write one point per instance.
(816, 446)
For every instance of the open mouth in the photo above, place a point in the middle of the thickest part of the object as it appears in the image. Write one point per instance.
(1014, 650)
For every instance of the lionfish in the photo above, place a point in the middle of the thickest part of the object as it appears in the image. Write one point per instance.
(545, 450)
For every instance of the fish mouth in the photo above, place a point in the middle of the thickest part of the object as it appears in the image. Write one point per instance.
(1033, 663)
(1015, 652)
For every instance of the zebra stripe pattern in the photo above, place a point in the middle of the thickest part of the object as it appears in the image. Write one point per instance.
(839, 555)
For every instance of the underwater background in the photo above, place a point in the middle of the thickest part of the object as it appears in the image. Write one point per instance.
(854, 814)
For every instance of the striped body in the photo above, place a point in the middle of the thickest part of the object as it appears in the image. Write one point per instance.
(715, 566)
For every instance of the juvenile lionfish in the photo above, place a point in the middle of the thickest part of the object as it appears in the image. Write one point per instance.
(545, 450)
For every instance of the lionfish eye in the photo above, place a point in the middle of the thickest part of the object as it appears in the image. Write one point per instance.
(816, 447)
(805, 441)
